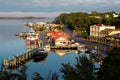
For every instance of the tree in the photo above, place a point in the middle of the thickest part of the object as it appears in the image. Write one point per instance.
(37, 76)
(53, 76)
(111, 66)
(22, 71)
(82, 70)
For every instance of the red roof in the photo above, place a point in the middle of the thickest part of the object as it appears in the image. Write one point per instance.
(101, 25)
(57, 34)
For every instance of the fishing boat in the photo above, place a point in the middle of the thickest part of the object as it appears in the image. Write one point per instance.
(32, 39)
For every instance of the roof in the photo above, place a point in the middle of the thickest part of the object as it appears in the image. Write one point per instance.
(57, 34)
(101, 25)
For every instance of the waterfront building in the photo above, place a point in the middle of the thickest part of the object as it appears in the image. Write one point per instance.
(116, 31)
(114, 35)
(95, 30)
(59, 37)
(100, 31)
(62, 41)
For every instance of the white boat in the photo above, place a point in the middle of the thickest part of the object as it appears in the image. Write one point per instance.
(32, 35)
(32, 39)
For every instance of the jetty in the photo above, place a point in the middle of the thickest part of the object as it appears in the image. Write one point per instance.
(65, 47)
(18, 61)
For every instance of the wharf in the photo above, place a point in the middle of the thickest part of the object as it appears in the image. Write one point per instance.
(65, 47)
(18, 61)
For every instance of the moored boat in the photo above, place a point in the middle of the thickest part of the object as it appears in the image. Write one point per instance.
(32, 39)
(39, 54)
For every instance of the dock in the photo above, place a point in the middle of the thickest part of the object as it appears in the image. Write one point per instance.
(64, 47)
(18, 61)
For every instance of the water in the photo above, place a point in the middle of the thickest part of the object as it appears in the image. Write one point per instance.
(11, 45)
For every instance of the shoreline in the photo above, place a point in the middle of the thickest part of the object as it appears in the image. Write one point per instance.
(24, 17)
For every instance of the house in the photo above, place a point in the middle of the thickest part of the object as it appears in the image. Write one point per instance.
(59, 37)
(62, 41)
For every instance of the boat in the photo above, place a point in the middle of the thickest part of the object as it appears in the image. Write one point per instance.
(39, 54)
(32, 39)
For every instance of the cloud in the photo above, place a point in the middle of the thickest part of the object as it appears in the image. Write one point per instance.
(58, 5)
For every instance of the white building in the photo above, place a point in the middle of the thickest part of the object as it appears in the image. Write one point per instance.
(62, 41)
(96, 30)
(115, 15)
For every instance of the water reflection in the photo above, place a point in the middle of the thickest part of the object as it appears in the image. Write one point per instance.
(63, 52)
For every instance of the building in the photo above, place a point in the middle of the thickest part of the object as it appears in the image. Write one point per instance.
(62, 41)
(114, 35)
(96, 30)
(100, 31)
(115, 15)
(105, 32)
(116, 31)
(60, 37)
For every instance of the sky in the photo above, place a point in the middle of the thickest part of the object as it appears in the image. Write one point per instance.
(59, 5)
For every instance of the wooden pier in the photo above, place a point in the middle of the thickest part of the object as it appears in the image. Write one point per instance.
(65, 47)
(18, 61)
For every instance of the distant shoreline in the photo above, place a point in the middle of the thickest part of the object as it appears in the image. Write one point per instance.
(24, 17)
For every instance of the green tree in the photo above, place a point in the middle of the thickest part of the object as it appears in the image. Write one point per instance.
(37, 76)
(53, 76)
(111, 66)
(23, 71)
(82, 70)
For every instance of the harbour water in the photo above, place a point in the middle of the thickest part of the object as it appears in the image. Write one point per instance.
(11, 45)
